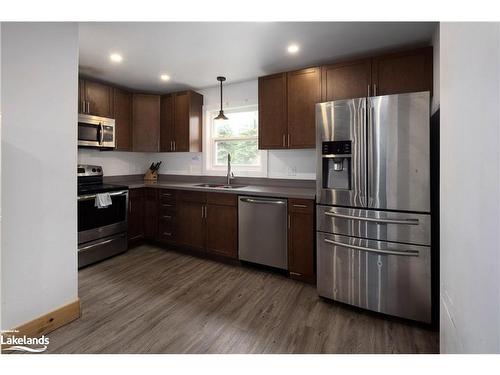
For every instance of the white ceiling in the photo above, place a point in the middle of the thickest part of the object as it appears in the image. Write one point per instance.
(194, 54)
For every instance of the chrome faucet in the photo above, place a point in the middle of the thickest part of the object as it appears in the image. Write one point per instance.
(230, 174)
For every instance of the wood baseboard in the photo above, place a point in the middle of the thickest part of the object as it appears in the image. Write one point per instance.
(51, 321)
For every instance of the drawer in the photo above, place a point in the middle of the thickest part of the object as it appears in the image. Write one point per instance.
(166, 231)
(301, 205)
(192, 196)
(386, 277)
(166, 215)
(222, 199)
(167, 196)
(373, 224)
(166, 207)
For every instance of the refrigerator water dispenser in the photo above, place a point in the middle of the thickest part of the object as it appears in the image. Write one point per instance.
(337, 165)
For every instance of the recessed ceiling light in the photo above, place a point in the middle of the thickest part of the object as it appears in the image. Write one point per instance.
(293, 48)
(165, 77)
(115, 57)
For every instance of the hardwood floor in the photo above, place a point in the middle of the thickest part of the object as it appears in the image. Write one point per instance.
(150, 300)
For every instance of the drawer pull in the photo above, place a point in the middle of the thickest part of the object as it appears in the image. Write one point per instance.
(410, 253)
(168, 234)
(373, 219)
(166, 194)
(167, 217)
(166, 205)
(295, 273)
(299, 205)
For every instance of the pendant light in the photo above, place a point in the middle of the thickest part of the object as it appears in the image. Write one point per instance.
(221, 115)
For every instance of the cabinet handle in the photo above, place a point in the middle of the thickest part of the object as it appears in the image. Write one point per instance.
(171, 147)
(288, 221)
(368, 90)
(166, 205)
(167, 234)
(374, 89)
(174, 145)
(88, 107)
(166, 194)
(288, 137)
(167, 217)
(299, 205)
(284, 140)
(295, 273)
(82, 107)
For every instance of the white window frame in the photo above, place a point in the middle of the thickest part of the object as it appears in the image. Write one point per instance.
(209, 166)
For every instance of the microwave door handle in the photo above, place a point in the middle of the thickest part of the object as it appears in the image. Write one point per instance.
(101, 133)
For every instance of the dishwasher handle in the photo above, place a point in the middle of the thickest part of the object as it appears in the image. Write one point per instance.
(262, 201)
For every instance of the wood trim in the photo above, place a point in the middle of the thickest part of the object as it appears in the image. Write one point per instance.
(50, 321)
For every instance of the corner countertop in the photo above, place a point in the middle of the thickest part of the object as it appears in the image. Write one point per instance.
(257, 190)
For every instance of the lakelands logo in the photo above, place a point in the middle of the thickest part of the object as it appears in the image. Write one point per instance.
(12, 342)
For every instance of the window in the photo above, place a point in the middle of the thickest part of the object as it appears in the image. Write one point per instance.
(237, 136)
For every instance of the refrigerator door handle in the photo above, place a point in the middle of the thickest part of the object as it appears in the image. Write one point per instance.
(373, 219)
(369, 159)
(410, 253)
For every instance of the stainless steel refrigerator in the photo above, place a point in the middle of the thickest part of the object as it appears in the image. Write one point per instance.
(373, 203)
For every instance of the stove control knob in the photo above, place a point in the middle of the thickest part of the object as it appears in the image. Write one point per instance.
(93, 169)
(99, 170)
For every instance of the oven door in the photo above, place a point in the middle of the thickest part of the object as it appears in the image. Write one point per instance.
(95, 223)
(94, 131)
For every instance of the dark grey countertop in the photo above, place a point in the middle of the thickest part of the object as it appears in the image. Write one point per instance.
(303, 192)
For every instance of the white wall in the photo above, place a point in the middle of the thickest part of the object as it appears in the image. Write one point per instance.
(39, 229)
(281, 163)
(470, 187)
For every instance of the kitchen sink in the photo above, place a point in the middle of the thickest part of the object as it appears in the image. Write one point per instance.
(220, 186)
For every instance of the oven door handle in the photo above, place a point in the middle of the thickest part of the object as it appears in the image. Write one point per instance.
(373, 219)
(93, 196)
(410, 253)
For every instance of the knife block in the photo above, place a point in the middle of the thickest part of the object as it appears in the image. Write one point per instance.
(151, 176)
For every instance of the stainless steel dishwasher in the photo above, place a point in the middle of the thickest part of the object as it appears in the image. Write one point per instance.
(262, 231)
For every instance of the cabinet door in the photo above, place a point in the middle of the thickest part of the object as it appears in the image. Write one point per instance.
(146, 122)
(303, 92)
(301, 239)
(402, 72)
(167, 123)
(348, 80)
(222, 224)
(122, 103)
(99, 98)
(135, 214)
(181, 121)
(190, 219)
(151, 213)
(272, 112)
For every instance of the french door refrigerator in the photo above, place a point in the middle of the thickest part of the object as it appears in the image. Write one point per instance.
(373, 204)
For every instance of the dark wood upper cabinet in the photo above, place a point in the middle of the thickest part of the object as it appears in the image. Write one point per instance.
(402, 72)
(146, 122)
(167, 123)
(272, 112)
(346, 80)
(96, 98)
(301, 239)
(303, 92)
(181, 122)
(122, 103)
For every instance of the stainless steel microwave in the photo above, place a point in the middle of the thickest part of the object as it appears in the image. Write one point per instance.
(95, 131)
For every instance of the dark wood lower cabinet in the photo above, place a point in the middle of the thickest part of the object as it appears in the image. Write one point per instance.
(190, 220)
(136, 214)
(208, 223)
(150, 214)
(301, 240)
(222, 225)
